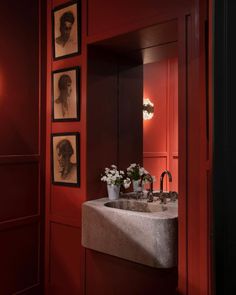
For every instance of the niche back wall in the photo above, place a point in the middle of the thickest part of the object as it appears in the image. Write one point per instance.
(160, 134)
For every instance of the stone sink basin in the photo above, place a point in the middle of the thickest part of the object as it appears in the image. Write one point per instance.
(138, 206)
(135, 230)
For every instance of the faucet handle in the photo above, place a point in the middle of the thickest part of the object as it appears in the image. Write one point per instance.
(173, 196)
(162, 198)
(150, 196)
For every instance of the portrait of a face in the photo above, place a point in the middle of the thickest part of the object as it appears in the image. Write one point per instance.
(65, 95)
(65, 158)
(65, 30)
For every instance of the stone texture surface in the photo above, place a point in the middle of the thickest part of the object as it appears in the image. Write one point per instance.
(146, 238)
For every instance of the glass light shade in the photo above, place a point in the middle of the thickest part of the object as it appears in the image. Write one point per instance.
(148, 109)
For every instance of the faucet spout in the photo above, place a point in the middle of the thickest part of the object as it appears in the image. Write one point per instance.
(162, 178)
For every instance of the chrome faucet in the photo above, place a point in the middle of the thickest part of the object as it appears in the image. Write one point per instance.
(162, 195)
(162, 178)
(150, 191)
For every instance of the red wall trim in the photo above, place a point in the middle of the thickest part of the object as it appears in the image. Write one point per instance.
(32, 290)
(210, 152)
(182, 262)
(65, 220)
(155, 154)
(19, 159)
(8, 224)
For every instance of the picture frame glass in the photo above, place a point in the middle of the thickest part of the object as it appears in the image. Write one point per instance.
(65, 159)
(65, 95)
(65, 31)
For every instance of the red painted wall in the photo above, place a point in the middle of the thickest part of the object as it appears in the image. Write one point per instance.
(63, 205)
(21, 149)
(64, 256)
(110, 17)
(160, 138)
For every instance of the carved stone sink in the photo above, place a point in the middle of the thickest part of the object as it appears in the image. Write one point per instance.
(138, 206)
(135, 230)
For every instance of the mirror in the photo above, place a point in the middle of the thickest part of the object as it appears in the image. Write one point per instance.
(122, 71)
(160, 133)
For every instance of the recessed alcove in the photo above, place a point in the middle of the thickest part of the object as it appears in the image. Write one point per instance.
(116, 73)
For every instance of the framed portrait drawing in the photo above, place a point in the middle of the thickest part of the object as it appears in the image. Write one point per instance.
(65, 155)
(66, 29)
(66, 94)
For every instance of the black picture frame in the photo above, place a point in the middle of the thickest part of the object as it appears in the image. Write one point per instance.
(61, 47)
(71, 94)
(66, 148)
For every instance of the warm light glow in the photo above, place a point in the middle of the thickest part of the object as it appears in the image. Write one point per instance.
(148, 109)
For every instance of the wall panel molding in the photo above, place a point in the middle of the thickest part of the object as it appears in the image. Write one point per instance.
(12, 223)
(19, 159)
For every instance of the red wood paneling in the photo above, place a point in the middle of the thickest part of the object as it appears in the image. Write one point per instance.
(146, 38)
(173, 122)
(182, 171)
(108, 16)
(205, 149)
(173, 186)
(19, 197)
(130, 121)
(109, 19)
(160, 134)
(65, 260)
(155, 88)
(19, 106)
(19, 250)
(108, 275)
(65, 202)
(58, 2)
(102, 141)
(156, 165)
(21, 148)
(173, 105)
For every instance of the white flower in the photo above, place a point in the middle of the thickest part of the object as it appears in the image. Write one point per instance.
(126, 183)
(114, 176)
(135, 172)
(141, 171)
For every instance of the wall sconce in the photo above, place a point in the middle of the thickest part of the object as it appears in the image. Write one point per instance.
(148, 109)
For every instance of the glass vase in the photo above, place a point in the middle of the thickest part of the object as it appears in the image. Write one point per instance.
(136, 186)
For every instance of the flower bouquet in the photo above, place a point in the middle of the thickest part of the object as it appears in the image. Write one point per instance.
(136, 172)
(115, 179)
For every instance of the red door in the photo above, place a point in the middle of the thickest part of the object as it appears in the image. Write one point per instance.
(21, 153)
